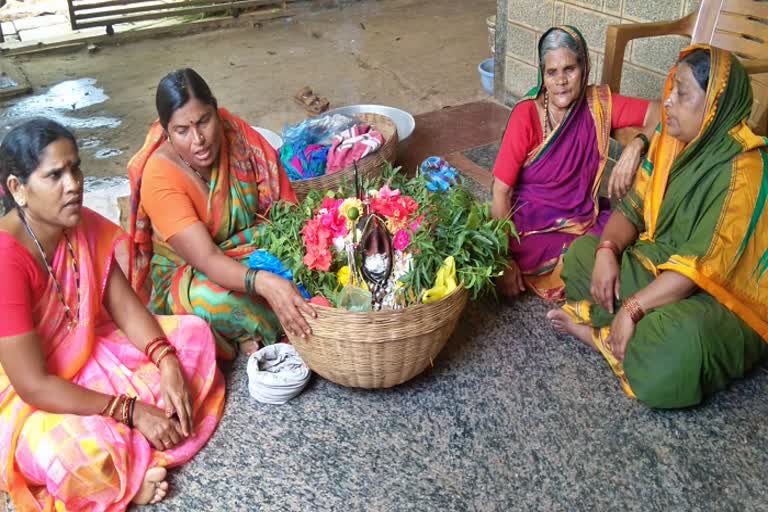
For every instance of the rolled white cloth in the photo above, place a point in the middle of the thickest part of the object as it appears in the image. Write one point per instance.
(276, 374)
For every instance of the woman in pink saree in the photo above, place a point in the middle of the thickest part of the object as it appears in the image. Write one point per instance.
(97, 396)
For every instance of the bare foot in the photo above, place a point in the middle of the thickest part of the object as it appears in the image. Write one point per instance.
(563, 323)
(249, 347)
(154, 488)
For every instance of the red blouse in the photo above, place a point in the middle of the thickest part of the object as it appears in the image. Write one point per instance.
(524, 133)
(23, 286)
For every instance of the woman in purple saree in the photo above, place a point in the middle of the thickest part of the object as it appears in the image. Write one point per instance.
(552, 159)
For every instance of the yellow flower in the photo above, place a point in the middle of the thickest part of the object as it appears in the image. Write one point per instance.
(343, 277)
(350, 202)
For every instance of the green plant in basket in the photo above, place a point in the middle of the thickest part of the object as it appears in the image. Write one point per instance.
(438, 239)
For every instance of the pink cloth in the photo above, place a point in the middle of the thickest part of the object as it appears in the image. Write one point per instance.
(352, 145)
(67, 462)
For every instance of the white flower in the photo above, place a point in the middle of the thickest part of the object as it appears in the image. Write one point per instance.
(339, 243)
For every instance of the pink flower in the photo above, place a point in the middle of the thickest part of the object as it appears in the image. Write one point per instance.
(330, 203)
(401, 240)
(318, 259)
(319, 300)
(387, 193)
(416, 224)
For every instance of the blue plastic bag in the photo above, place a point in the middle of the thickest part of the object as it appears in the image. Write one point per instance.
(264, 260)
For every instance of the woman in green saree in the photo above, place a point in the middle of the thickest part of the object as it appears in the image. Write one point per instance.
(677, 301)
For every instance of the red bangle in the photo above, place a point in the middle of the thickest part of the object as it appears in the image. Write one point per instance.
(635, 310)
(152, 345)
(607, 244)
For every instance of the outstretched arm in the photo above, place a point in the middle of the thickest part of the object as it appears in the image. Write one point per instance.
(195, 245)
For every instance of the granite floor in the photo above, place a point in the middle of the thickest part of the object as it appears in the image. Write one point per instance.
(511, 417)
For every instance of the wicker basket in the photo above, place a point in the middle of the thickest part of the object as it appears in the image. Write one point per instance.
(369, 166)
(379, 349)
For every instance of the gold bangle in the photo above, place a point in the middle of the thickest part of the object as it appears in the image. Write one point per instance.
(124, 410)
(113, 406)
(170, 350)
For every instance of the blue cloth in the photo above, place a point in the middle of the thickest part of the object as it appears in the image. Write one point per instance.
(263, 260)
(440, 174)
(304, 153)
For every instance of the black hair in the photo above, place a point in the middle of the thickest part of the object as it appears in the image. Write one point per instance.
(176, 89)
(22, 148)
(700, 63)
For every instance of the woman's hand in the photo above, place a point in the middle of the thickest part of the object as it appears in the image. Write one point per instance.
(176, 394)
(623, 173)
(511, 283)
(605, 279)
(622, 330)
(287, 303)
(163, 432)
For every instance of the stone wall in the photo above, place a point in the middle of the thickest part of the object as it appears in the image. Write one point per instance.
(646, 60)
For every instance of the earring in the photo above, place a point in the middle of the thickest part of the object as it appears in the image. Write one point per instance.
(22, 203)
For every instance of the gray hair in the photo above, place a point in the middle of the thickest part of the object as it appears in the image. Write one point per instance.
(555, 40)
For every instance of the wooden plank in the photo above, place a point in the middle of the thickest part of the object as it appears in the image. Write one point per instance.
(747, 7)
(170, 6)
(169, 14)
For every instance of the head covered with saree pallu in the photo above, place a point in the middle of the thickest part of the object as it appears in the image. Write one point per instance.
(556, 196)
(702, 208)
(244, 182)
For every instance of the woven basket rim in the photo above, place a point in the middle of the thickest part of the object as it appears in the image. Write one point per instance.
(388, 312)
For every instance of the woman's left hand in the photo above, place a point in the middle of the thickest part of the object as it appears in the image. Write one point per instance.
(623, 173)
(622, 330)
(176, 393)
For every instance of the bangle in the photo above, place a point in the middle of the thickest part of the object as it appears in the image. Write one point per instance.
(250, 280)
(170, 349)
(113, 406)
(124, 410)
(152, 345)
(608, 244)
(130, 411)
(646, 142)
(634, 309)
(107, 407)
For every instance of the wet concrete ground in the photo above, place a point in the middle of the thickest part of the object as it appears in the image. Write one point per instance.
(415, 55)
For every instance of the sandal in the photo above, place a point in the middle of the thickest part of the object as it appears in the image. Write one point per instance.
(311, 102)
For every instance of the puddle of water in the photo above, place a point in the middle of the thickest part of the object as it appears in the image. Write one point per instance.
(7, 83)
(60, 101)
(105, 153)
(88, 142)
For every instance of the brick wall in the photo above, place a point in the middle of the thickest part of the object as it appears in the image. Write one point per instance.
(646, 60)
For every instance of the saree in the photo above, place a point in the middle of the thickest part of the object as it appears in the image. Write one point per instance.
(245, 181)
(557, 198)
(67, 462)
(700, 210)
